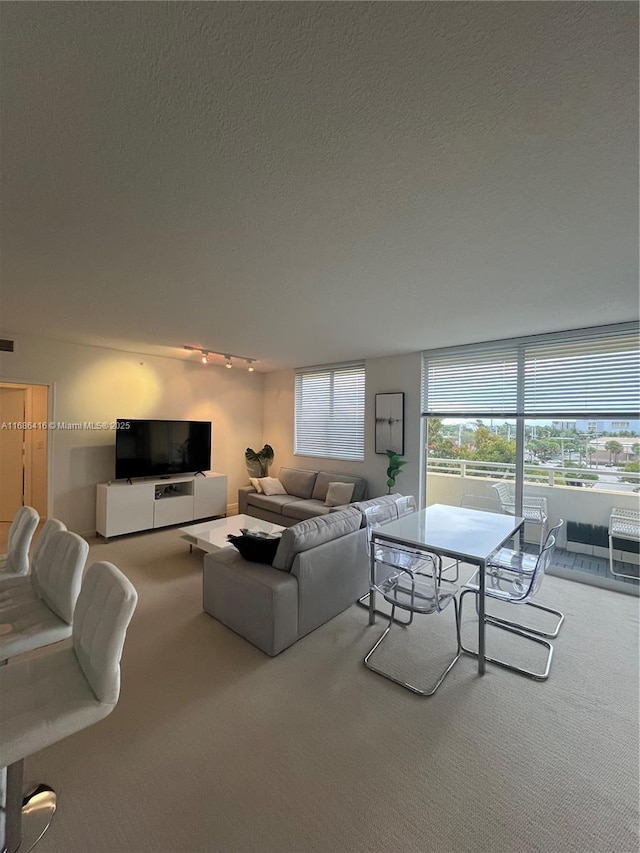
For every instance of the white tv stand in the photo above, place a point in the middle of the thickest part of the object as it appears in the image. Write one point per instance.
(123, 507)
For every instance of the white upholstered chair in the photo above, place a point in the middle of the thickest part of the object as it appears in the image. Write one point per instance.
(38, 620)
(51, 696)
(16, 561)
(11, 588)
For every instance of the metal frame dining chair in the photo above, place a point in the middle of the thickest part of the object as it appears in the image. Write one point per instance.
(513, 587)
(507, 559)
(416, 592)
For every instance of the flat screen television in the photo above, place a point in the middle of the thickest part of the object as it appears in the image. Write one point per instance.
(154, 448)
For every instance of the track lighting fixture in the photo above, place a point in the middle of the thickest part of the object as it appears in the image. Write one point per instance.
(206, 353)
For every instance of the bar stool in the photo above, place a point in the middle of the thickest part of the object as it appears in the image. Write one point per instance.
(11, 587)
(31, 621)
(52, 696)
(16, 561)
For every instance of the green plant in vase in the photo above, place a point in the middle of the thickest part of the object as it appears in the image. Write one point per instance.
(395, 468)
(258, 461)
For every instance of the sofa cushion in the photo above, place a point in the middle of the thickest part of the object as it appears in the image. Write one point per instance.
(297, 481)
(306, 509)
(272, 503)
(259, 549)
(325, 477)
(312, 532)
(255, 482)
(339, 494)
(271, 486)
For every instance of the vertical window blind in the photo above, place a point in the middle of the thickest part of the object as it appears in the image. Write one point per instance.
(579, 374)
(329, 412)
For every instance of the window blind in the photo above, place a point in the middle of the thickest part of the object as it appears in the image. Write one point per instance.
(329, 412)
(478, 382)
(580, 373)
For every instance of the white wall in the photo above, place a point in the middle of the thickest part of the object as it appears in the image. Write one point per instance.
(98, 384)
(246, 409)
(398, 373)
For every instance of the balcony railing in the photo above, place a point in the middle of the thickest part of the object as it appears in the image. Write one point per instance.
(584, 508)
(544, 475)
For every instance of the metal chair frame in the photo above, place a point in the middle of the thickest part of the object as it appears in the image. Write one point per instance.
(503, 560)
(401, 505)
(525, 585)
(407, 583)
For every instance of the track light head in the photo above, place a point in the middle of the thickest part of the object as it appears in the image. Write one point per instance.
(204, 355)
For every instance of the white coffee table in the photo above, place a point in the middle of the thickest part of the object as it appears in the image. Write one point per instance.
(212, 535)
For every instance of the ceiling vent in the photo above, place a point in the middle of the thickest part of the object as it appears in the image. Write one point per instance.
(6, 345)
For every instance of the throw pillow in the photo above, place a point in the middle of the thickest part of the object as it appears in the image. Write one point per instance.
(255, 482)
(272, 486)
(338, 494)
(258, 549)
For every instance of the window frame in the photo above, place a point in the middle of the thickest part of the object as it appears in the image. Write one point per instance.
(512, 393)
(330, 424)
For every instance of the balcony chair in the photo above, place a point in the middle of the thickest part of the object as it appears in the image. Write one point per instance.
(50, 696)
(416, 592)
(26, 585)
(507, 559)
(16, 561)
(39, 620)
(513, 587)
(534, 510)
(623, 524)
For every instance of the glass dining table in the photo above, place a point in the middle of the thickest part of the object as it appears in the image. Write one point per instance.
(467, 535)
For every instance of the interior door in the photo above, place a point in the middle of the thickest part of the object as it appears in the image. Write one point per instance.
(12, 413)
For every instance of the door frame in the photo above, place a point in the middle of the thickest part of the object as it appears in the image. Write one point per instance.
(50, 386)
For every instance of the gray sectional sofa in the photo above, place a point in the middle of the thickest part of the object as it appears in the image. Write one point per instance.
(305, 498)
(321, 567)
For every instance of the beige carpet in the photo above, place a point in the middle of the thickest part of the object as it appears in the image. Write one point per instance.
(216, 747)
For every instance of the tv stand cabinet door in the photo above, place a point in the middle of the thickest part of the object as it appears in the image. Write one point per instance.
(210, 496)
(125, 508)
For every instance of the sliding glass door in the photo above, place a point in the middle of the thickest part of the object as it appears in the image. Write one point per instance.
(551, 420)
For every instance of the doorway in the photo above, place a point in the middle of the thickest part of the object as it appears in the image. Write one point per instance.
(24, 449)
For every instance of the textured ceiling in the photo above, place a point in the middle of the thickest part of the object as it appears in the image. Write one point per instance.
(310, 182)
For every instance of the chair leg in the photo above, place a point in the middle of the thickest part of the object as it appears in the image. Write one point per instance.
(444, 569)
(27, 818)
(504, 626)
(549, 635)
(412, 687)
(363, 601)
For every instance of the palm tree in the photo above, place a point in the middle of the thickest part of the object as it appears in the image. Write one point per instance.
(615, 449)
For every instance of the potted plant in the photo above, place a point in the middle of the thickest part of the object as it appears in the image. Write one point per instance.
(394, 468)
(258, 461)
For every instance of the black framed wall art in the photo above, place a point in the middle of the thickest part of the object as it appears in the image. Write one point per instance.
(390, 422)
